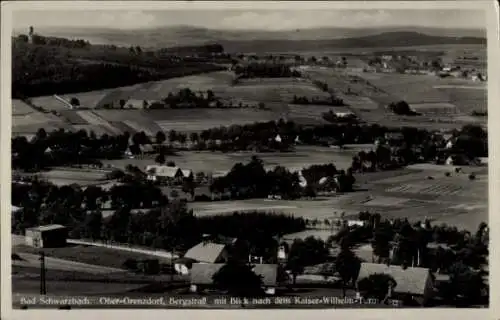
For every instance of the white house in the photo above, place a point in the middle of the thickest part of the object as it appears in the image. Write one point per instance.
(344, 114)
(156, 173)
(277, 138)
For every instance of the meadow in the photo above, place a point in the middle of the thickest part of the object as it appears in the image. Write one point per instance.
(218, 162)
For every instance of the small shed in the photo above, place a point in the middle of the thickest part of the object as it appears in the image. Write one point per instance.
(48, 236)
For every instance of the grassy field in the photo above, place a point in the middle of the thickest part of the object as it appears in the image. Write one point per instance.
(207, 161)
(20, 108)
(92, 255)
(67, 176)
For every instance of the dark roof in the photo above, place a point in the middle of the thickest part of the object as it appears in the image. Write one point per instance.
(205, 252)
(410, 280)
(202, 273)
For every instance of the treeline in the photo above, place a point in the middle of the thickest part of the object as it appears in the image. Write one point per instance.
(63, 148)
(169, 226)
(44, 70)
(265, 70)
(52, 41)
(59, 148)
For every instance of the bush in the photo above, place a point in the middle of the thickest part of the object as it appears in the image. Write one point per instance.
(447, 174)
(472, 176)
(130, 264)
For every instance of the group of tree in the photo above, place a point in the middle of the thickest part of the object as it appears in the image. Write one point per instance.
(265, 70)
(59, 148)
(252, 180)
(402, 108)
(186, 98)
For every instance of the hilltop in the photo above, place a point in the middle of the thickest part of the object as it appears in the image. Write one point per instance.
(296, 40)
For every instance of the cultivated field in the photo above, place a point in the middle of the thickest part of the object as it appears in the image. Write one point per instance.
(409, 194)
(132, 120)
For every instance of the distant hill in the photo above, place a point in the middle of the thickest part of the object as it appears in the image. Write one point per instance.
(256, 41)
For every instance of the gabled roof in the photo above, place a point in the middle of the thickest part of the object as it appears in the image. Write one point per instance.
(202, 273)
(187, 173)
(409, 280)
(164, 171)
(205, 252)
(48, 227)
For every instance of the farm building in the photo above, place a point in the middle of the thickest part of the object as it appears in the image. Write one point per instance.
(411, 283)
(208, 252)
(48, 236)
(271, 274)
(187, 173)
(344, 114)
(164, 173)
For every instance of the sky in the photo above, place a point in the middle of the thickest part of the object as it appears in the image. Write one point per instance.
(271, 20)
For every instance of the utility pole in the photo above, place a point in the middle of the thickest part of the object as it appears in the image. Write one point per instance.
(43, 288)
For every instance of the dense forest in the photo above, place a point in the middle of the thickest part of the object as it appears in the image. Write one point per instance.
(64, 66)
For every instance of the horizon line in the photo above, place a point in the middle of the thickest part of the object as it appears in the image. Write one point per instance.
(90, 27)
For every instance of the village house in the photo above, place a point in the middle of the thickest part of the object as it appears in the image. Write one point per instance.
(412, 283)
(271, 274)
(48, 236)
(164, 174)
(208, 252)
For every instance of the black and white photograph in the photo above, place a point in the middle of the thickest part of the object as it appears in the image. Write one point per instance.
(240, 158)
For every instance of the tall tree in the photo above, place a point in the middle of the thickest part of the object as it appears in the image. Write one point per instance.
(239, 280)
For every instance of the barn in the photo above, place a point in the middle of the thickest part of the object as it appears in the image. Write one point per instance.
(48, 236)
